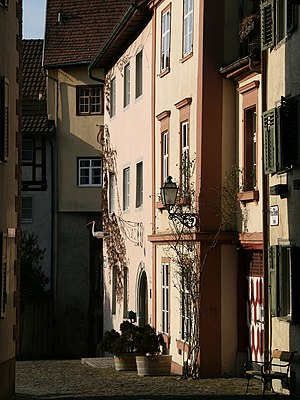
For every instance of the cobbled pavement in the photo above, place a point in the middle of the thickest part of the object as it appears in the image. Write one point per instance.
(96, 379)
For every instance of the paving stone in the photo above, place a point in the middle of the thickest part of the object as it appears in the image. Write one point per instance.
(96, 379)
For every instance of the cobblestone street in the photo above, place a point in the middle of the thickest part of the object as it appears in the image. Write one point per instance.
(96, 379)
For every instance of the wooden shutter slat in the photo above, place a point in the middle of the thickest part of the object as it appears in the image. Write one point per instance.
(270, 142)
(267, 24)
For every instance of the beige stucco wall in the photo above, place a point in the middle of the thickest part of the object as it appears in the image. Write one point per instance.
(76, 137)
(130, 136)
(10, 31)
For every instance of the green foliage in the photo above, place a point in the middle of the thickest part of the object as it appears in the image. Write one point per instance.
(33, 280)
(132, 339)
(148, 341)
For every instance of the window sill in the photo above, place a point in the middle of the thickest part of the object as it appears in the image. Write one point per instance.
(186, 57)
(165, 72)
(182, 346)
(248, 196)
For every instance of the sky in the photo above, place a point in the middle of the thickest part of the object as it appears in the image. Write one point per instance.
(33, 19)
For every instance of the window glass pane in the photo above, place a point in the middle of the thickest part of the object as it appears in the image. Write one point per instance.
(26, 214)
(126, 85)
(139, 184)
(139, 72)
(27, 150)
(90, 172)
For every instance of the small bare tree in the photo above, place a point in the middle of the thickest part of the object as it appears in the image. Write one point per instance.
(190, 257)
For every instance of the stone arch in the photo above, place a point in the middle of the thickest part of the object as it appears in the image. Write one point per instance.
(142, 296)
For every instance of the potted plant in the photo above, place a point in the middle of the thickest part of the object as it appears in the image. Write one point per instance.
(122, 346)
(151, 362)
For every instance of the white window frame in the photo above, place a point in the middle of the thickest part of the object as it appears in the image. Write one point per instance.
(165, 156)
(91, 169)
(90, 100)
(188, 11)
(165, 40)
(126, 188)
(165, 306)
(185, 157)
(126, 85)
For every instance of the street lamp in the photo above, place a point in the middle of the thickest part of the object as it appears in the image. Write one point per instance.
(169, 193)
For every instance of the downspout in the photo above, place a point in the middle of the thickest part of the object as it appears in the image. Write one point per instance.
(54, 200)
(153, 86)
(266, 222)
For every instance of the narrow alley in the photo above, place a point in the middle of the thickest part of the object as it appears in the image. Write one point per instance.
(98, 380)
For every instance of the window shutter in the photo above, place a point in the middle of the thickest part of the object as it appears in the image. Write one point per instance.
(267, 24)
(292, 16)
(273, 266)
(289, 132)
(270, 143)
(295, 253)
(3, 275)
(2, 118)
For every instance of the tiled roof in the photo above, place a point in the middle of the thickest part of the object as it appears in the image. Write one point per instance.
(75, 30)
(34, 106)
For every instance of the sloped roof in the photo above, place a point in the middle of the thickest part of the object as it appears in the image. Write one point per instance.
(75, 30)
(34, 106)
(126, 31)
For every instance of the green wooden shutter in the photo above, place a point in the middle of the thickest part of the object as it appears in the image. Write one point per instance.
(267, 20)
(270, 142)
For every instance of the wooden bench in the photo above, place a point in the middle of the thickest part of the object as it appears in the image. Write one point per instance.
(277, 368)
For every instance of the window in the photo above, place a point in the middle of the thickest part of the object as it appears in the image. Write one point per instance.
(34, 163)
(165, 156)
(186, 307)
(26, 216)
(114, 290)
(185, 167)
(3, 274)
(165, 40)
(126, 184)
(113, 97)
(111, 192)
(139, 184)
(284, 282)
(249, 148)
(281, 136)
(187, 27)
(4, 118)
(278, 20)
(139, 74)
(89, 100)
(125, 294)
(165, 297)
(90, 172)
(126, 85)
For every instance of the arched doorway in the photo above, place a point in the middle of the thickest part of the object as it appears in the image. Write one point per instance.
(142, 298)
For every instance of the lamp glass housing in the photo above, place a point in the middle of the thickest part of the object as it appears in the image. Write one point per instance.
(169, 193)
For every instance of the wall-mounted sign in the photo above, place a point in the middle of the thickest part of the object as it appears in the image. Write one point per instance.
(274, 215)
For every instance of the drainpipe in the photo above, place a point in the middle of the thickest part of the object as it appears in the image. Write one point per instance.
(54, 200)
(266, 220)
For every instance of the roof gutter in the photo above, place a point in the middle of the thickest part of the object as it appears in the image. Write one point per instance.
(118, 28)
